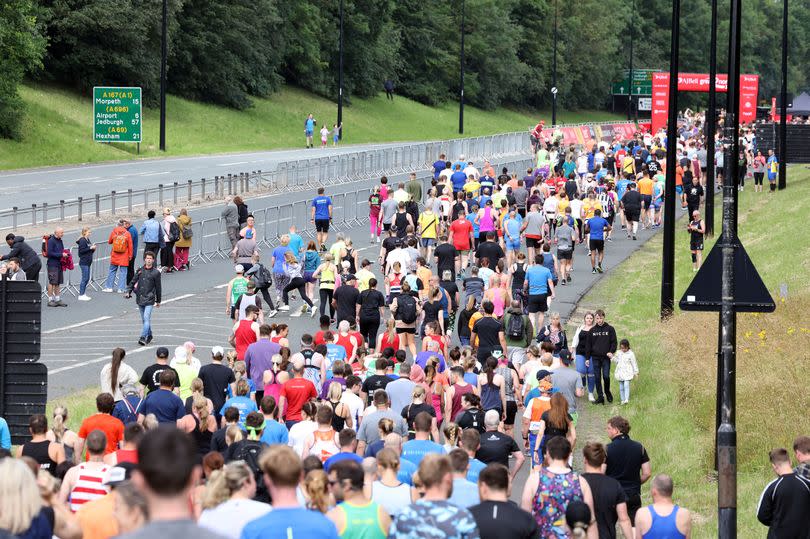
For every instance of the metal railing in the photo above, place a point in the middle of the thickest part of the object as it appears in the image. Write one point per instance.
(294, 175)
(210, 241)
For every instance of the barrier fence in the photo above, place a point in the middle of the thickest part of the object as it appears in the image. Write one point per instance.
(210, 241)
(289, 175)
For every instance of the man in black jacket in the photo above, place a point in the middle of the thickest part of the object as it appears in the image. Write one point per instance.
(29, 260)
(146, 285)
(600, 348)
(785, 502)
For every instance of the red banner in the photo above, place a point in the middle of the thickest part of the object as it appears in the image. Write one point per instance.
(695, 82)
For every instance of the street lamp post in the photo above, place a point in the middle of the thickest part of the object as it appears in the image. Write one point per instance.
(340, 77)
(782, 182)
(554, 72)
(630, 74)
(461, 86)
(711, 123)
(164, 53)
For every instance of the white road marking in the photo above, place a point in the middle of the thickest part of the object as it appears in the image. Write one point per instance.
(178, 298)
(221, 286)
(144, 174)
(80, 324)
(78, 180)
(232, 164)
(97, 360)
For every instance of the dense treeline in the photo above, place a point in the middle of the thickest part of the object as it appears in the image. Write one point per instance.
(226, 51)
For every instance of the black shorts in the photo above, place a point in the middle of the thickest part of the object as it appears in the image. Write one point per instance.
(695, 244)
(596, 245)
(647, 201)
(534, 242)
(565, 254)
(322, 225)
(55, 274)
(632, 214)
(412, 331)
(633, 505)
(538, 303)
(511, 412)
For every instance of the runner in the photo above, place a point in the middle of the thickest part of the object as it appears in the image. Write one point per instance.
(596, 227)
(697, 229)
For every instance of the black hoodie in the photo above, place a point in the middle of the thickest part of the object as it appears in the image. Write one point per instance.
(601, 340)
(28, 257)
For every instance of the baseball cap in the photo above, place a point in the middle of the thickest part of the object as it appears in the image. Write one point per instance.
(162, 352)
(350, 277)
(366, 262)
(565, 356)
(217, 351)
(542, 373)
(239, 268)
(118, 474)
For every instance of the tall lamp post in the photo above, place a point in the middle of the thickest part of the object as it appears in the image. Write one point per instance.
(340, 77)
(461, 86)
(711, 123)
(782, 182)
(630, 71)
(554, 72)
(164, 53)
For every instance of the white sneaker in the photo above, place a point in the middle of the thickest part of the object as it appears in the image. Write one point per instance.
(106, 289)
(591, 397)
(284, 308)
(272, 313)
(314, 312)
(314, 301)
(84, 297)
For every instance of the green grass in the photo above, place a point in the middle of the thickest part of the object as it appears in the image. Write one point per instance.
(58, 125)
(672, 403)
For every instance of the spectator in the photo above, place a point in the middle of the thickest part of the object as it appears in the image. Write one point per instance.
(183, 245)
(55, 251)
(152, 238)
(5, 435)
(783, 506)
(29, 260)
(802, 449)
(230, 214)
(120, 254)
(86, 250)
(170, 231)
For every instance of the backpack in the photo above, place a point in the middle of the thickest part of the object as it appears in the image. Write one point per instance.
(187, 232)
(174, 232)
(249, 453)
(131, 414)
(45, 245)
(262, 277)
(406, 309)
(119, 243)
(515, 328)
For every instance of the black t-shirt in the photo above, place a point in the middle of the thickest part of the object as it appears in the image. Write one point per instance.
(693, 194)
(452, 289)
(624, 460)
(445, 257)
(472, 418)
(496, 447)
(370, 302)
(607, 494)
(389, 244)
(216, 378)
(497, 520)
(571, 189)
(345, 300)
(632, 200)
(431, 310)
(491, 251)
(488, 329)
(554, 431)
(373, 383)
(410, 412)
(151, 376)
(652, 166)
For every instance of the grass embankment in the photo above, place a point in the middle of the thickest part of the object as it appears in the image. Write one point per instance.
(672, 404)
(58, 125)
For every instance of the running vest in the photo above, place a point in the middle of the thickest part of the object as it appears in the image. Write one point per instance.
(88, 486)
(243, 337)
(324, 446)
(455, 403)
(311, 372)
(39, 452)
(538, 405)
(486, 223)
(328, 279)
(243, 305)
(491, 397)
(362, 521)
(395, 284)
(238, 287)
(518, 276)
(401, 223)
(663, 527)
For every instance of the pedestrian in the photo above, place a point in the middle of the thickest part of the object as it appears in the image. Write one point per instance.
(579, 348)
(773, 169)
(554, 334)
(759, 166)
(309, 129)
(627, 462)
(609, 500)
(29, 259)
(336, 128)
(388, 86)
(496, 516)
(170, 231)
(230, 214)
(538, 286)
(693, 196)
(801, 446)
(565, 237)
(324, 136)
(293, 271)
(152, 237)
(631, 204)
(55, 253)
(146, 285)
(556, 421)
(12, 270)
(663, 518)
(183, 245)
(86, 251)
(321, 217)
(600, 347)
(120, 253)
(785, 502)
(626, 369)
(697, 230)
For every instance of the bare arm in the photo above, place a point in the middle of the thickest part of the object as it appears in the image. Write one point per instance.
(646, 472)
(624, 520)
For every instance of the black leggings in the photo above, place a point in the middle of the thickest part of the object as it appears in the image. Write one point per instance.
(297, 283)
(265, 290)
(326, 301)
(368, 329)
(167, 255)
(758, 177)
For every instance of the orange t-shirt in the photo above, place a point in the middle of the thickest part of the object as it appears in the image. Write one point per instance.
(679, 175)
(96, 518)
(645, 186)
(109, 425)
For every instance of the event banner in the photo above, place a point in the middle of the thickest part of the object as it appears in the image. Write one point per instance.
(588, 135)
(694, 82)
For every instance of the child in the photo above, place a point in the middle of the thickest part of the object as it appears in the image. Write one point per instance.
(336, 134)
(324, 136)
(626, 369)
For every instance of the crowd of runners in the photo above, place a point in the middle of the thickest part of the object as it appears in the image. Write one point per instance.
(426, 378)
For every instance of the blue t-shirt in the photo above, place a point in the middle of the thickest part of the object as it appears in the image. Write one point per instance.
(416, 450)
(538, 278)
(274, 433)
(621, 187)
(166, 406)
(465, 493)
(335, 352)
(321, 203)
(309, 125)
(458, 180)
(278, 256)
(243, 404)
(471, 219)
(773, 166)
(422, 359)
(283, 523)
(406, 471)
(475, 470)
(597, 225)
(343, 455)
(438, 166)
(296, 244)
(5, 435)
(513, 228)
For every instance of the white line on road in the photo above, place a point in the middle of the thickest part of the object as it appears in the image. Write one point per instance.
(97, 360)
(178, 298)
(232, 164)
(78, 180)
(153, 173)
(80, 324)
(221, 286)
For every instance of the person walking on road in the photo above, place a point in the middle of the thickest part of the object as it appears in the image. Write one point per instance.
(599, 349)
(596, 227)
(146, 285)
(183, 245)
(86, 249)
(29, 260)
(663, 518)
(171, 233)
(609, 500)
(322, 217)
(627, 462)
(55, 251)
(133, 233)
(120, 253)
(785, 502)
(230, 214)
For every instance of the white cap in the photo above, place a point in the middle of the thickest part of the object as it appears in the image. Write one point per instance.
(239, 268)
(217, 351)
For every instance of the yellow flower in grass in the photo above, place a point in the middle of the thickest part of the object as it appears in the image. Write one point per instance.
(791, 331)
(761, 334)
(748, 334)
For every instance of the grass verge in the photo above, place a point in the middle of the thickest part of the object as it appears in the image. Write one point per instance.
(58, 125)
(672, 408)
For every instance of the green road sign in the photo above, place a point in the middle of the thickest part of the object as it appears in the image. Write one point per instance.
(642, 82)
(117, 114)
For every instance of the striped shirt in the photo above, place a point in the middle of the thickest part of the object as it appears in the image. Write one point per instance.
(88, 485)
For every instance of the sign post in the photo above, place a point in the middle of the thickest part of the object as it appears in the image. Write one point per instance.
(117, 114)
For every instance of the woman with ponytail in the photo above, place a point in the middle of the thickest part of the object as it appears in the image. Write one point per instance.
(492, 387)
(201, 424)
(227, 502)
(117, 374)
(578, 519)
(62, 434)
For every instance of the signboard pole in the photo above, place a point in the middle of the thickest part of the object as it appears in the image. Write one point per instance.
(461, 85)
(630, 80)
(164, 48)
(711, 124)
(668, 255)
(782, 182)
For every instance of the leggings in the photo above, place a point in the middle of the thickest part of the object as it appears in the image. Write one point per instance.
(758, 177)
(374, 224)
(368, 329)
(296, 283)
(326, 301)
(265, 290)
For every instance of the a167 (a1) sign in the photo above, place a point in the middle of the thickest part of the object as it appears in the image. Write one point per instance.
(117, 114)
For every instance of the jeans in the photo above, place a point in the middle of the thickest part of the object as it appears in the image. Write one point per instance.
(465, 341)
(585, 372)
(121, 279)
(85, 279)
(146, 318)
(624, 390)
(601, 365)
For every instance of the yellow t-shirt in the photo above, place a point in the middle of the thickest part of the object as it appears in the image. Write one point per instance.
(472, 187)
(429, 225)
(561, 205)
(589, 207)
(628, 164)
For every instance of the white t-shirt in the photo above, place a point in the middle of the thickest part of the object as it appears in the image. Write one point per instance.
(582, 164)
(355, 405)
(126, 375)
(228, 518)
(550, 206)
(324, 133)
(471, 170)
(576, 208)
(299, 433)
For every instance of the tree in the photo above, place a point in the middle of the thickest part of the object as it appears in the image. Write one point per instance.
(21, 49)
